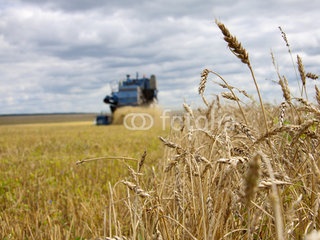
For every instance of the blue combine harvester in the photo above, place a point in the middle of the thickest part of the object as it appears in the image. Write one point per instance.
(131, 92)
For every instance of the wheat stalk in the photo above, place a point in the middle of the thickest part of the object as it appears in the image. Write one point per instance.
(237, 49)
(283, 128)
(211, 219)
(233, 96)
(274, 199)
(105, 158)
(284, 36)
(114, 238)
(178, 191)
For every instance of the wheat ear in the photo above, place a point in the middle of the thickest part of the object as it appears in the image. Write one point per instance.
(141, 162)
(284, 36)
(317, 94)
(312, 76)
(302, 75)
(283, 82)
(237, 49)
(233, 44)
(202, 85)
(252, 178)
(275, 199)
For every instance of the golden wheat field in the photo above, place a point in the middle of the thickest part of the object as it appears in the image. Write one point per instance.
(45, 195)
(234, 168)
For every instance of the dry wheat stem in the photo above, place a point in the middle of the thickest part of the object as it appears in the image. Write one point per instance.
(243, 92)
(115, 238)
(275, 65)
(234, 231)
(260, 98)
(233, 94)
(112, 212)
(250, 187)
(211, 218)
(274, 199)
(242, 54)
(284, 36)
(205, 100)
(106, 158)
(182, 226)
(284, 128)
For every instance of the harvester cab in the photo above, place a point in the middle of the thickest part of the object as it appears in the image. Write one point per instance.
(131, 92)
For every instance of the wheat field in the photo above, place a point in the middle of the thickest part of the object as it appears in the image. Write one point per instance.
(44, 194)
(228, 170)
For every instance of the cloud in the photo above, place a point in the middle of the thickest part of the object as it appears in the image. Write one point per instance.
(63, 56)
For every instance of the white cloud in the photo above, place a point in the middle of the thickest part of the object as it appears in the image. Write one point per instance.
(62, 55)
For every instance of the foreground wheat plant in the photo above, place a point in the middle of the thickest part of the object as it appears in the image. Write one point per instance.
(252, 173)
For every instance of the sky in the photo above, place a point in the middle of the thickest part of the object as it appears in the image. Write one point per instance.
(65, 56)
